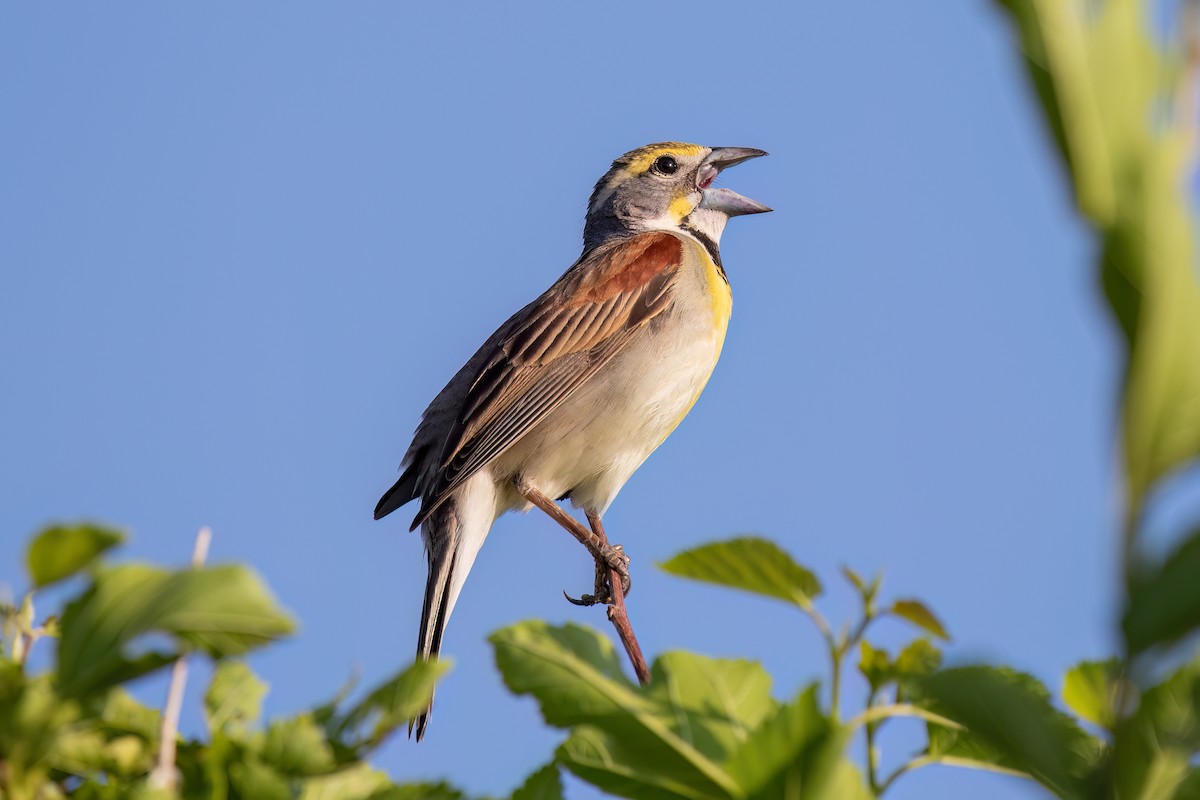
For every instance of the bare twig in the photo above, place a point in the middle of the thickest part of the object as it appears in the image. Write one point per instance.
(869, 728)
(949, 761)
(164, 775)
(875, 714)
(839, 647)
(595, 541)
(618, 616)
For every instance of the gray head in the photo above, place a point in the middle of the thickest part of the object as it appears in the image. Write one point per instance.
(667, 186)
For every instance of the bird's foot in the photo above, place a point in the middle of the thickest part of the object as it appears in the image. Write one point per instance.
(607, 558)
(615, 559)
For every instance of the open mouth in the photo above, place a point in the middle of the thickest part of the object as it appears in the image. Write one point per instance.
(726, 201)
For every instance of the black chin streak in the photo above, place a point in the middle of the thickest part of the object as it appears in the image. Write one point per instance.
(713, 251)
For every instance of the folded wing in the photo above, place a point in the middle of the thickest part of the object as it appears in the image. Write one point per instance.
(564, 339)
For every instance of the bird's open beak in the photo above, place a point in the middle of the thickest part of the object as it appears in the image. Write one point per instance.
(727, 201)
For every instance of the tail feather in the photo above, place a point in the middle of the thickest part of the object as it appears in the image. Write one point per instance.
(453, 536)
(402, 491)
(442, 550)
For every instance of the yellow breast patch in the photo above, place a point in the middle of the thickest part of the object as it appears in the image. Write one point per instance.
(719, 296)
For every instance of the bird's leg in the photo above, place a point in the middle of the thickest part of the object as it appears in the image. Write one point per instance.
(607, 557)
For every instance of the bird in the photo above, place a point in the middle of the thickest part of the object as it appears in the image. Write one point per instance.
(573, 392)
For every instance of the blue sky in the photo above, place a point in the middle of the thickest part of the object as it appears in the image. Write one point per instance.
(243, 247)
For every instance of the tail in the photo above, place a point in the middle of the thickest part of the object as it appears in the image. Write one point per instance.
(453, 535)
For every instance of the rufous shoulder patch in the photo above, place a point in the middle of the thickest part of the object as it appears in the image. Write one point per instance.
(631, 264)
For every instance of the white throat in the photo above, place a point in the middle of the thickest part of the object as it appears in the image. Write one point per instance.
(709, 222)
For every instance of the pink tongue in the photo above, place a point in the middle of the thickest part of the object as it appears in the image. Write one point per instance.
(707, 180)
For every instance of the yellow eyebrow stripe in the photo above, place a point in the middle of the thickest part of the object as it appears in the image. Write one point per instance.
(641, 160)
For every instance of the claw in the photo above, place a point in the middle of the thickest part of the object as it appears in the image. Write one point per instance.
(601, 599)
(583, 600)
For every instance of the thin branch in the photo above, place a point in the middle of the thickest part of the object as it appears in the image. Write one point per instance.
(620, 618)
(880, 713)
(904, 769)
(831, 645)
(872, 754)
(948, 761)
(839, 647)
(164, 775)
(822, 624)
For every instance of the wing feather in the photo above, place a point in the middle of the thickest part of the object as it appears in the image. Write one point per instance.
(567, 335)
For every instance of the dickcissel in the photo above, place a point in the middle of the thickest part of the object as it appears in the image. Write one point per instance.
(579, 387)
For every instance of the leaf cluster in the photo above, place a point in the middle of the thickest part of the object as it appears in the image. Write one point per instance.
(76, 731)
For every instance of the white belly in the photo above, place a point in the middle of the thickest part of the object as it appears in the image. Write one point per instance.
(594, 442)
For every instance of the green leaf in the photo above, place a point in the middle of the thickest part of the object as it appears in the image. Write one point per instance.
(703, 728)
(1189, 787)
(919, 614)
(918, 659)
(60, 551)
(796, 748)
(297, 747)
(391, 704)
(568, 669)
(222, 610)
(772, 756)
(664, 742)
(34, 721)
(875, 665)
(1102, 81)
(715, 701)
(1090, 690)
(419, 791)
(251, 779)
(545, 784)
(121, 713)
(77, 752)
(1173, 708)
(1164, 600)
(142, 791)
(855, 579)
(748, 563)
(361, 782)
(234, 697)
(1010, 723)
(358, 782)
(49, 627)
(866, 590)
(842, 780)
(1155, 745)
(128, 757)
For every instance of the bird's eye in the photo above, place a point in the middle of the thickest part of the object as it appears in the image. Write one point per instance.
(666, 165)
